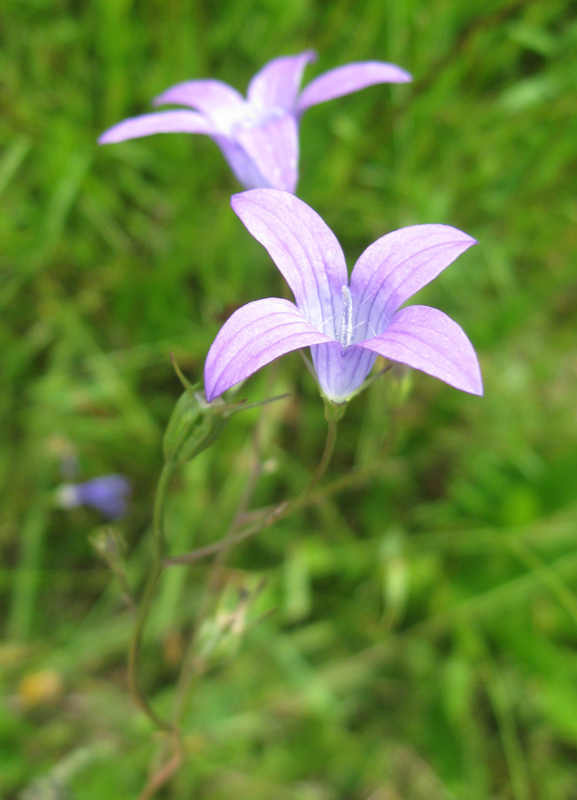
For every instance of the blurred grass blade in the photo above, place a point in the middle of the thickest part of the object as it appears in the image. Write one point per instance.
(11, 160)
(27, 572)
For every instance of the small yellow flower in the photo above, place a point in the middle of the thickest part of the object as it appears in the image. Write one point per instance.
(40, 688)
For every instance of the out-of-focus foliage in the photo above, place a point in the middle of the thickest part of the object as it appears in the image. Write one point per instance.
(416, 634)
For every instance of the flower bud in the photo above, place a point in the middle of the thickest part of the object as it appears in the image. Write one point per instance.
(193, 426)
(110, 546)
(195, 423)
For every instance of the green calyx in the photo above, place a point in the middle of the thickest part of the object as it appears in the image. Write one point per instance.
(195, 424)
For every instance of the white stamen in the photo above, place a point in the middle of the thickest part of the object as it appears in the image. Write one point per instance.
(346, 333)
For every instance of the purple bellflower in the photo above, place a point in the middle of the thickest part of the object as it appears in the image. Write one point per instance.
(107, 494)
(346, 324)
(258, 135)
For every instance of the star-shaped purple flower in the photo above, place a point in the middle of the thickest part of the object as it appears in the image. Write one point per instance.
(345, 324)
(258, 136)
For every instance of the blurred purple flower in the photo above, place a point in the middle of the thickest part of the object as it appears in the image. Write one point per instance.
(108, 494)
(345, 324)
(258, 136)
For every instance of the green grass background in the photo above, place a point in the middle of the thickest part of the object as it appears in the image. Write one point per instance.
(417, 635)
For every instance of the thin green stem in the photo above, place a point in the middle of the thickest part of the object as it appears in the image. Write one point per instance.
(191, 667)
(194, 666)
(275, 514)
(323, 463)
(158, 553)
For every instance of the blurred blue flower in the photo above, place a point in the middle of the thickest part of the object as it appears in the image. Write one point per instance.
(108, 494)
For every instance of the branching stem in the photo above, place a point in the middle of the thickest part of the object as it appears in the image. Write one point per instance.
(275, 514)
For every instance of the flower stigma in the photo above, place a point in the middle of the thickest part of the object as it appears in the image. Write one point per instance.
(346, 332)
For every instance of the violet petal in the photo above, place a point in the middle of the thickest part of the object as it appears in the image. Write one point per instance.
(278, 82)
(242, 165)
(255, 335)
(203, 95)
(302, 246)
(399, 264)
(347, 79)
(341, 373)
(161, 122)
(424, 338)
(273, 147)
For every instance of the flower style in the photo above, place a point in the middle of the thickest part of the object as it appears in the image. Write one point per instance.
(107, 494)
(346, 325)
(258, 136)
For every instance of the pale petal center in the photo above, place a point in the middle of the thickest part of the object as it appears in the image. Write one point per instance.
(249, 118)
